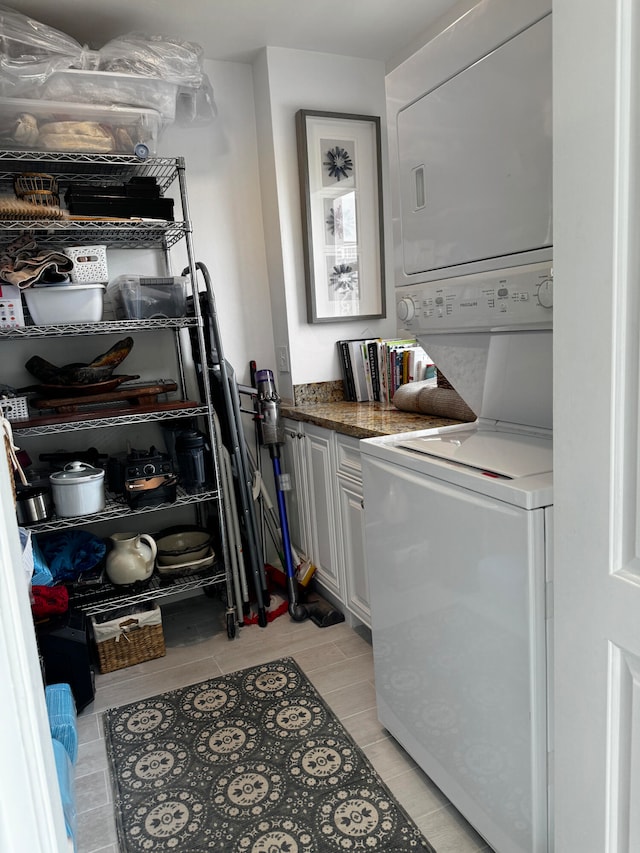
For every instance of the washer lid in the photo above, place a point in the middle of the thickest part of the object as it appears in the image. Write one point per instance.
(502, 454)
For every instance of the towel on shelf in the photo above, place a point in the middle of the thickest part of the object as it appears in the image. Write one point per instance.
(24, 264)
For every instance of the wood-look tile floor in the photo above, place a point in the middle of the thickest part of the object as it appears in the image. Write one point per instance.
(337, 660)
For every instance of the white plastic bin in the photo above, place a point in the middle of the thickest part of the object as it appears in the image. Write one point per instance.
(85, 128)
(65, 303)
(107, 87)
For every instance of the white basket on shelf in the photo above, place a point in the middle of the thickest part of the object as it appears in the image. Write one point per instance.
(89, 264)
(14, 408)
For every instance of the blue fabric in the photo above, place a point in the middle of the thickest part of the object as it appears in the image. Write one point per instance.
(71, 552)
(66, 781)
(61, 710)
(41, 573)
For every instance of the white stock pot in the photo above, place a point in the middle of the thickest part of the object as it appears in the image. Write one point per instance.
(78, 489)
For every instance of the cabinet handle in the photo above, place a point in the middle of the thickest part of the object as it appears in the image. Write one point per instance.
(362, 502)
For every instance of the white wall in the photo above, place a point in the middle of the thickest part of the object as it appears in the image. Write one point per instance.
(293, 80)
(224, 198)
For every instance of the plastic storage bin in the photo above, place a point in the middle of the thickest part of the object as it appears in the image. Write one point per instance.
(85, 128)
(89, 264)
(106, 87)
(141, 298)
(65, 303)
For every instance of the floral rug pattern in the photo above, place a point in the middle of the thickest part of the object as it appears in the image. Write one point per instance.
(251, 762)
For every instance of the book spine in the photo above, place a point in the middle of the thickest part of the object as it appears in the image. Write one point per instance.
(384, 380)
(347, 373)
(357, 369)
(372, 347)
(364, 348)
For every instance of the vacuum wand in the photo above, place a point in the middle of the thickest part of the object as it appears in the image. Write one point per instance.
(272, 435)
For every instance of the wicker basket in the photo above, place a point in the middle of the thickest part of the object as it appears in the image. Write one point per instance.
(129, 639)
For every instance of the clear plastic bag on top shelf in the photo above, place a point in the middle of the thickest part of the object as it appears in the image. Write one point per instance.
(30, 51)
(196, 107)
(171, 59)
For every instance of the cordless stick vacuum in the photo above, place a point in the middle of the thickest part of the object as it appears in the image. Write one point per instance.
(271, 430)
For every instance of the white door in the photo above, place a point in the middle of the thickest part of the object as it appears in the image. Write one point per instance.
(321, 466)
(31, 814)
(297, 501)
(352, 551)
(597, 425)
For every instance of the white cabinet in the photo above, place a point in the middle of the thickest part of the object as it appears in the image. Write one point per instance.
(325, 510)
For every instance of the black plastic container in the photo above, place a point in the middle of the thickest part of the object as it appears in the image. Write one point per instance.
(191, 452)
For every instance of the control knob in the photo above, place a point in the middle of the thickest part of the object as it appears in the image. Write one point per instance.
(545, 293)
(406, 309)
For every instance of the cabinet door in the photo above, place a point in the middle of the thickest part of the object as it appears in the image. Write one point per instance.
(320, 455)
(294, 460)
(351, 510)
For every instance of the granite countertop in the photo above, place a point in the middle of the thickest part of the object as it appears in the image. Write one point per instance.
(361, 420)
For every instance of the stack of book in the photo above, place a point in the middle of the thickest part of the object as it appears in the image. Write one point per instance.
(373, 369)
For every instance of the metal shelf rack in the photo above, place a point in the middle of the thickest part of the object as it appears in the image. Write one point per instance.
(111, 169)
(106, 328)
(104, 420)
(105, 597)
(118, 508)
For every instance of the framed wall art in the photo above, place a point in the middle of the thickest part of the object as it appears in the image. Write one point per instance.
(341, 196)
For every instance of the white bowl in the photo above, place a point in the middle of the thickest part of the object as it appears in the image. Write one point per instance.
(176, 548)
(187, 567)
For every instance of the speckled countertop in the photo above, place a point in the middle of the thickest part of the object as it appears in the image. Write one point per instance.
(361, 420)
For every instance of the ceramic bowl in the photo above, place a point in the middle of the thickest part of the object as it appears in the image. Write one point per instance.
(188, 567)
(182, 546)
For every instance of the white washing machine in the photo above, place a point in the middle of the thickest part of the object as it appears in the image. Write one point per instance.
(458, 531)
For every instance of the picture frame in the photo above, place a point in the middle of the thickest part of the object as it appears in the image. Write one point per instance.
(339, 164)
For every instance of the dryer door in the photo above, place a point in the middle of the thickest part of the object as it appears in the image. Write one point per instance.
(475, 160)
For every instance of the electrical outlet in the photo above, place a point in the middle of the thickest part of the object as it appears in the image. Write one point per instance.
(283, 359)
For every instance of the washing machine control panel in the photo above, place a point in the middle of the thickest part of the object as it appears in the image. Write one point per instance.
(521, 297)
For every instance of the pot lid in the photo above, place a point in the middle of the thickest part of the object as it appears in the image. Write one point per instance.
(77, 472)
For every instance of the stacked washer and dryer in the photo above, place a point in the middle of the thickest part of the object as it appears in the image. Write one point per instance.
(459, 519)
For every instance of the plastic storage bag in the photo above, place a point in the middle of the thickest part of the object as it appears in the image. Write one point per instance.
(171, 59)
(30, 51)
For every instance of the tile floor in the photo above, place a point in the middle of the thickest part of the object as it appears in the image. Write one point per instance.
(337, 660)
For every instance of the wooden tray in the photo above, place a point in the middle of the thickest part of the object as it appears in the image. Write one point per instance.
(141, 395)
(86, 390)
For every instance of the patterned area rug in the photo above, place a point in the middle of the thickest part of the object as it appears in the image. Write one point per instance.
(252, 762)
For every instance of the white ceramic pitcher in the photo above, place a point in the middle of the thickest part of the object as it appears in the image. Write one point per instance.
(131, 559)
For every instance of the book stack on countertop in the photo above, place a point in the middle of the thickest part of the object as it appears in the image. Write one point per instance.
(373, 369)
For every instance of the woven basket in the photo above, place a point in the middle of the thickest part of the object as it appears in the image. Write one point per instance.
(442, 381)
(129, 639)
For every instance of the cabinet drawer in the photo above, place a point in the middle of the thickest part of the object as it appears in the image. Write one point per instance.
(348, 452)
